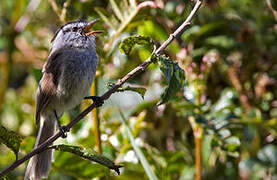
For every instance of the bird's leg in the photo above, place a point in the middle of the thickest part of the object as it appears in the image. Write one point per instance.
(61, 128)
(96, 99)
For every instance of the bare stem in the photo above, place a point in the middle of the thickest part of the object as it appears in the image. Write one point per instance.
(25, 18)
(198, 137)
(198, 152)
(234, 77)
(119, 83)
(97, 132)
(61, 13)
(272, 9)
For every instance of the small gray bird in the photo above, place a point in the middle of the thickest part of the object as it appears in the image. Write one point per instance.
(67, 76)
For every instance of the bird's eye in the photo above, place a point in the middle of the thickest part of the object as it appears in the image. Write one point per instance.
(75, 29)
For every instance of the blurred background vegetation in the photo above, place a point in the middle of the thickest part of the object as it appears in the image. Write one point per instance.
(224, 118)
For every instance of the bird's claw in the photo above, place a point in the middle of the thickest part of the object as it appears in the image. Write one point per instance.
(63, 130)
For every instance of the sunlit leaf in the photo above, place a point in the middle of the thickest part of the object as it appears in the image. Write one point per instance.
(11, 139)
(5, 178)
(129, 43)
(254, 168)
(27, 144)
(268, 154)
(232, 143)
(88, 154)
(227, 99)
(187, 173)
(174, 76)
(77, 167)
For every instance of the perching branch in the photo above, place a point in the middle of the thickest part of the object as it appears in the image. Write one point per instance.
(119, 83)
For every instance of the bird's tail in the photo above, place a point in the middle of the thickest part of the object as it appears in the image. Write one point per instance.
(40, 164)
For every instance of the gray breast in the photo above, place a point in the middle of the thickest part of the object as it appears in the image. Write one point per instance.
(77, 76)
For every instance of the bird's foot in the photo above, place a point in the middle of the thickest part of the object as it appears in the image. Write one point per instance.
(63, 130)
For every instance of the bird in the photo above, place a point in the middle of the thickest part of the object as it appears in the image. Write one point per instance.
(67, 77)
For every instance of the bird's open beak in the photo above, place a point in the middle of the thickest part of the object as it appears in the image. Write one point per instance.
(87, 31)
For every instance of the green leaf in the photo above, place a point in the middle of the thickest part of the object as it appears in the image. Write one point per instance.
(139, 90)
(11, 139)
(77, 167)
(5, 178)
(232, 143)
(150, 173)
(227, 100)
(27, 144)
(268, 154)
(129, 43)
(174, 76)
(221, 41)
(88, 154)
(253, 167)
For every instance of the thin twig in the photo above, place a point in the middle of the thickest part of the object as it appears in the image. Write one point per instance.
(234, 77)
(55, 7)
(63, 13)
(60, 13)
(119, 83)
(272, 9)
(25, 18)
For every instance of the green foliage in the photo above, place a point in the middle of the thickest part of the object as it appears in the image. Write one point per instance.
(11, 139)
(227, 57)
(263, 164)
(129, 43)
(268, 155)
(78, 167)
(123, 88)
(150, 173)
(88, 154)
(174, 75)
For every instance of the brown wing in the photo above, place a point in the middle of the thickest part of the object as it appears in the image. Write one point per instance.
(49, 82)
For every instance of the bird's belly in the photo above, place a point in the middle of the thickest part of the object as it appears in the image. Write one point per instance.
(75, 91)
(71, 91)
